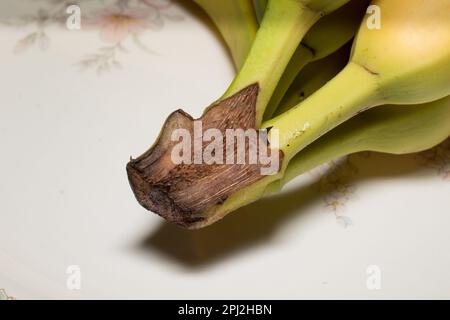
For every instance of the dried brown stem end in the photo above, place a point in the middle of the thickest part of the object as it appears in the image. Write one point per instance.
(184, 193)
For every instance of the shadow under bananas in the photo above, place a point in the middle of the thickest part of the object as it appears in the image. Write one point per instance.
(257, 223)
(238, 231)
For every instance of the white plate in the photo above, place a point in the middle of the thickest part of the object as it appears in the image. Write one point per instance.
(378, 227)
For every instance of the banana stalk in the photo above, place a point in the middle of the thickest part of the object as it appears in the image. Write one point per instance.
(237, 24)
(375, 76)
(260, 6)
(389, 129)
(284, 25)
(325, 37)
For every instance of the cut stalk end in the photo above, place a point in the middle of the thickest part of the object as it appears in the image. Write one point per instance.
(189, 193)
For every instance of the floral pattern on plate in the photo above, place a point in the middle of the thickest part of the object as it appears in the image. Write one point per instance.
(120, 23)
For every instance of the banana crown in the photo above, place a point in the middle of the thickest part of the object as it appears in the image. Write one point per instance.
(410, 53)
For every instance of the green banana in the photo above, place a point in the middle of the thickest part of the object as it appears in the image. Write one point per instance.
(389, 129)
(314, 76)
(407, 62)
(284, 25)
(236, 21)
(161, 185)
(374, 76)
(324, 38)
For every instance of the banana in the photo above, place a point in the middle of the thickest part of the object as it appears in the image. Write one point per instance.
(284, 25)
(390, 129)
(388, 76)
(260, 6)
(393, 129)
(236, 21)
(324, 38)
(406, 62)
(314, 76)
(195, 194)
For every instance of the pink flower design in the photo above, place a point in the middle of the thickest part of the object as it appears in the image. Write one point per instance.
(117, 25)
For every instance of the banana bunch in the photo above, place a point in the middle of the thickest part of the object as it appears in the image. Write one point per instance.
(315, 92)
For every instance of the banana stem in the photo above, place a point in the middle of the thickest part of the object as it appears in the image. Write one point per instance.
(284, 25)
(320, 152)
(353, 90)
(300, 59)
